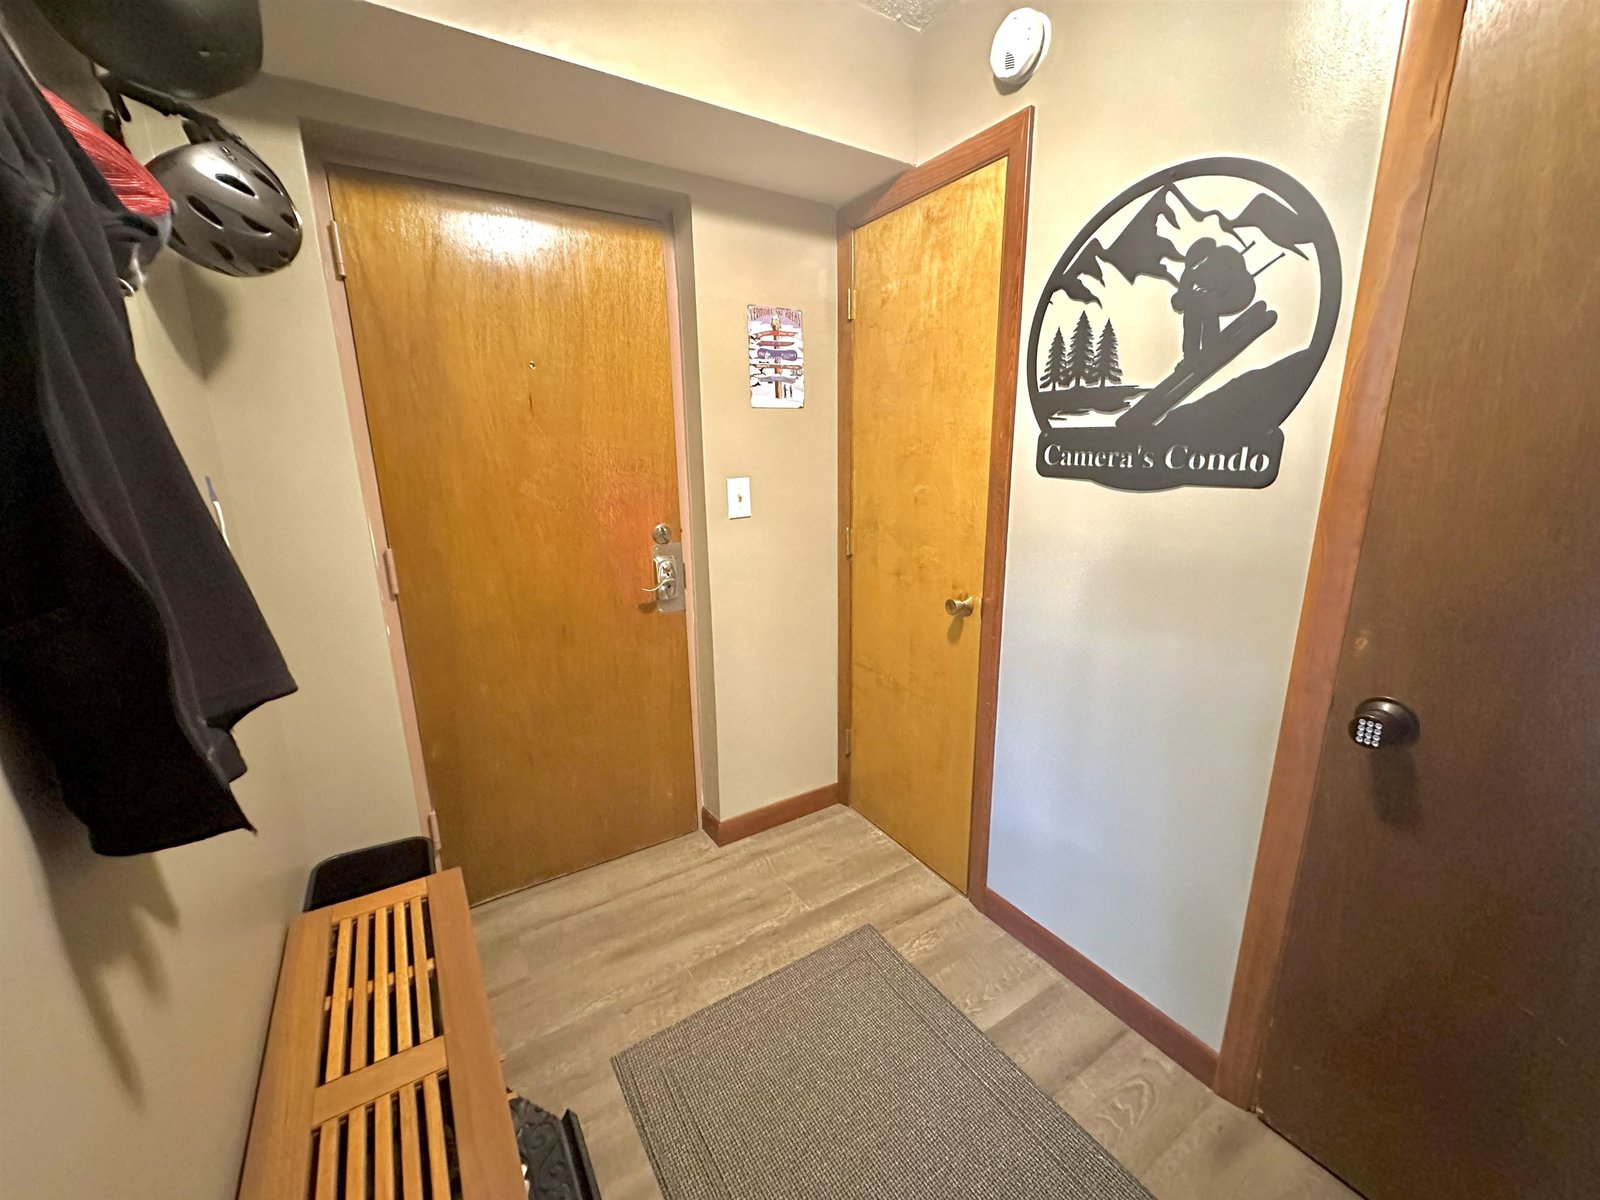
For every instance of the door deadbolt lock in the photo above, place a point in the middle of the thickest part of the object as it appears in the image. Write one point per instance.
(1382, 722)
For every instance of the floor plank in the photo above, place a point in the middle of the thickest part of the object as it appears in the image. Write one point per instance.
(581, 968)
(1135, 1100)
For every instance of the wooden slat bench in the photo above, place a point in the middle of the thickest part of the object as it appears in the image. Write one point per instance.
(381, 1078)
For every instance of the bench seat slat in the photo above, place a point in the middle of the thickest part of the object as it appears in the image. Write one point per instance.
(338, 1009)
(380, 1015)
(363, 997)
(355, 1163)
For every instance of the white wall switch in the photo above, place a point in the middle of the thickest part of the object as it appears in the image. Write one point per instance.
(738, 497)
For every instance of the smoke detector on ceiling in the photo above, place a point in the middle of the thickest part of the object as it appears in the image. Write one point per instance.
(1019, 46)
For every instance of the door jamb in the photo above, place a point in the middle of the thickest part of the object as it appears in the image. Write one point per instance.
(319, 160)
(1423, 74)
(1012, 140)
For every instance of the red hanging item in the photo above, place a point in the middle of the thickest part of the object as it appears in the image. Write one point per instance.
(134, 186)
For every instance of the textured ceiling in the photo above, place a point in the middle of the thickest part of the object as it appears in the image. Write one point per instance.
(918, 14)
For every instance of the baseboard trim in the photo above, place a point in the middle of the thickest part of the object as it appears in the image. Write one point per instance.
(1144, 1018)
(769, 816)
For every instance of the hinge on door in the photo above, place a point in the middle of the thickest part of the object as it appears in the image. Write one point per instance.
(847, 743)
(336, 248)
(849, 543)
(391, 573)
(849, 304)
(433, 834)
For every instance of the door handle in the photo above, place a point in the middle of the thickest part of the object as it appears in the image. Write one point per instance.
(666, 561)
(1383, 721)
(666, 578)
(959, 606)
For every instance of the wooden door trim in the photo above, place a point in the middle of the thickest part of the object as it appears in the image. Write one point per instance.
(1423, 74)
(319, 161)
(1012, 140)
(367, 475)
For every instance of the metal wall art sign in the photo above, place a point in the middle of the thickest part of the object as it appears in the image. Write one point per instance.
(1181, 327)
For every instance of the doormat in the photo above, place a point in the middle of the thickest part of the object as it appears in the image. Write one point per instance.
(848, 1075)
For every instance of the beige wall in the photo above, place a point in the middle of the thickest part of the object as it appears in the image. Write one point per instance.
(457, 68)
(773, 577)
(829, 67)
(1148, 636)
(134, 992)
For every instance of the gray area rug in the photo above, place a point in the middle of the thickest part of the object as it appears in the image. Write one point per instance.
(847, 1074)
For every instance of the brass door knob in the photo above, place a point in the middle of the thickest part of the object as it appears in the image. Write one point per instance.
(959, 606)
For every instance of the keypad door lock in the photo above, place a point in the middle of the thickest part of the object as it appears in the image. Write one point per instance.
(1382, 722)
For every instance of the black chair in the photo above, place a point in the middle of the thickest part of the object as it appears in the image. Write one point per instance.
(370, 869)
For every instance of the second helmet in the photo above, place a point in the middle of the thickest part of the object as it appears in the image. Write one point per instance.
(229, 211)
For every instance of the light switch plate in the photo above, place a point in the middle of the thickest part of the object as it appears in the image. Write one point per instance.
(738, 497)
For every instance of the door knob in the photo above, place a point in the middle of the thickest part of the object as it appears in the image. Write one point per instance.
(959, 606)
(1381, 722)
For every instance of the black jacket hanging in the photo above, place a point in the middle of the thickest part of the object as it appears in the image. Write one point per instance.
(129, 641)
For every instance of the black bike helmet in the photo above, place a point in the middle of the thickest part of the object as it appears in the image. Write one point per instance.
(193, 49)
(229, 211)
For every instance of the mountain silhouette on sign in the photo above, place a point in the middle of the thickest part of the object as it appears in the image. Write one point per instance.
(1138, 250)
(1278, 223)
(1087, 263)
(1141, 249)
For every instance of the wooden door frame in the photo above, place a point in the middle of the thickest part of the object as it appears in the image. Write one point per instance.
(1012, 140)
(1423, 74)
(415, 165)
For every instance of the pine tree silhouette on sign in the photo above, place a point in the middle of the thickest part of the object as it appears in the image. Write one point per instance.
(1055, 366)
(1080, 358)
(1107, 370)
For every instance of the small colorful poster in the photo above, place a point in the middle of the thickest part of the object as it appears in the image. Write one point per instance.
(777, 357)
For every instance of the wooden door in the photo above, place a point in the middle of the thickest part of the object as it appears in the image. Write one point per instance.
(927, 301)
(1434, 1032)
(514, 361)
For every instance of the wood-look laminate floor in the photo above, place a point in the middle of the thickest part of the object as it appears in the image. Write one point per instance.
(583, 967)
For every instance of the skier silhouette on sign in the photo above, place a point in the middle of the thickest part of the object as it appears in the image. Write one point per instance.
(1215, 283)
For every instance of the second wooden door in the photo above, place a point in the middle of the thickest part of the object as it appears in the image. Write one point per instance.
(515, 366)
(927, 299)
(1434, 1032)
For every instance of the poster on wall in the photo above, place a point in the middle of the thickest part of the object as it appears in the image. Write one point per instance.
(777, 357)
(1180, 328)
